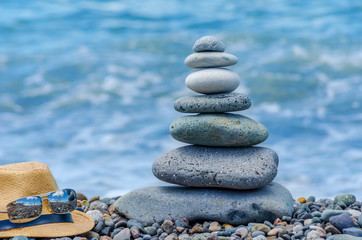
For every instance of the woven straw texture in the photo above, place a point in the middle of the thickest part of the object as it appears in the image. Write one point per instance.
(33, 178)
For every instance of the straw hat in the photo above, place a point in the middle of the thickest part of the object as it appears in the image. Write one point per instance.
(33, 178)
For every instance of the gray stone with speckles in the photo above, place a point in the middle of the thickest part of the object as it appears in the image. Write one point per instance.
(218, 130)
(155, 204)
(213, 103)
(234, 168)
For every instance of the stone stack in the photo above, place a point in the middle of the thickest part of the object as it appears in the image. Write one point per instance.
(227, 178)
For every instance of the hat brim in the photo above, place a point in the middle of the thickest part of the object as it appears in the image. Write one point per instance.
(81, 223)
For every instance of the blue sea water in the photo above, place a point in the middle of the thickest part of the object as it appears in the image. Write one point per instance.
(88, 87)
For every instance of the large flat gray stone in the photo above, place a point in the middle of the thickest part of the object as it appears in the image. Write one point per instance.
(213, 103)
(218, 130)
(154, 204)
(210, 60)
(234, 168)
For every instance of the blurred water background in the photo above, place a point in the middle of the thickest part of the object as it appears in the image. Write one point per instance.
(88, 87)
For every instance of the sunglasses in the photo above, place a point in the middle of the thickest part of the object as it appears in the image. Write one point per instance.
(29, 208)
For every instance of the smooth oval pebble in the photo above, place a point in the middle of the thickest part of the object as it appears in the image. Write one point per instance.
(342, 221)
(208, 43)
(154, 204)
(210, 60)
(233, 168)
(213, 103)
(347, 199)
(213, 80)
(218, 130)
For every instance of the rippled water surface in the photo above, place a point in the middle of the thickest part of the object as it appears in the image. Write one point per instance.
(88, 87)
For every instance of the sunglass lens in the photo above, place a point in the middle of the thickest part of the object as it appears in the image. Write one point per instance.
(62, 201)
(24, 209)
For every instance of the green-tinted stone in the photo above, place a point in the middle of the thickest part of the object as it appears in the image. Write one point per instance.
(218, 130)
(260, 227)
(347, 199)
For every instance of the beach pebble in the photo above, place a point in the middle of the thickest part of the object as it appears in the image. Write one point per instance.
(184, 237)
(260, 237)
(200, 236)
(213, 103)
(96, 215)
(341, 221)
(321, 231)
(332, 229)
(278, 231)
(98, 205)
(260, 227)
(98, 227)
(124, 234)
(147, 237)
(180, 223)
(347, 199)
(297, 228)
(172, 236)
(90, 235)
(109, 222)
(196, 229)
(154, 204)
(218, 130)
(313, 235)
(208, 43)
(102, 238)
(135, 232)
(133, 222)
(105, 231)
(328, 213)
(354, 231)
(242, 232)
(95, 198)
(213, 80)
(311, 199)
(151, 230)
(307, 222)
(257, 233)
(214, 227)
(167, 226)
(234, 168)
(210, 60)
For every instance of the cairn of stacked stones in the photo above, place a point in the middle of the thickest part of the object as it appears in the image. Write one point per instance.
(224, 176)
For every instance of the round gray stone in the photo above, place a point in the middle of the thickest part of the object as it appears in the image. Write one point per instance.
(213, 80)
(208, 43)
(234, 168)
(154, 204)
(213, 103)
(218, 130)
(347, 199)
(210, 60)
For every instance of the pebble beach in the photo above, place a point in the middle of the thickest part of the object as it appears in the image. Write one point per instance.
(339, 218)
